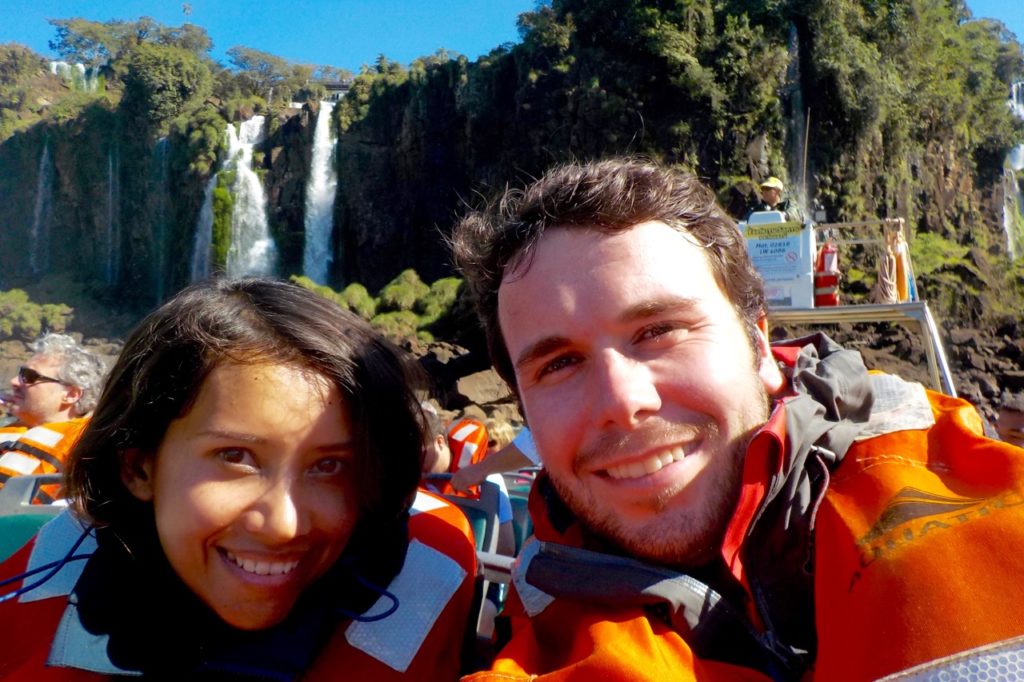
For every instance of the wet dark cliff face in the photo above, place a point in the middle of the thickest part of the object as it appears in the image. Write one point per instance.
(287, 157)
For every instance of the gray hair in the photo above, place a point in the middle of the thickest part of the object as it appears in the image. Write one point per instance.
(79, 367)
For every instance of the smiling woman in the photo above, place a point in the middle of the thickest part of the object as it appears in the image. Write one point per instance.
(245, 504)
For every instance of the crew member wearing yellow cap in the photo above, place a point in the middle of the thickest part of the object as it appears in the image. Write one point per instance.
(771, 199)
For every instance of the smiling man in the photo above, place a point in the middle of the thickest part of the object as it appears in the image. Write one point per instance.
(714, 507)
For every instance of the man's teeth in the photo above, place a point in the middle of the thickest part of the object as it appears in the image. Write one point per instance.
(263, 567)
(648, 466)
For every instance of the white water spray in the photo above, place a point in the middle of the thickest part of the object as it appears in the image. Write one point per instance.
(320, 190)
(796, 127)
(160, 198)
(204, 234)
(252, 251)
(1013, 196)
(76, 75)
(39, 233)
(112, 238)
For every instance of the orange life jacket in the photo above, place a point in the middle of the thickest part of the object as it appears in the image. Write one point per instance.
(917, 548)
(467, 441)
(40, 449)
(420, 641)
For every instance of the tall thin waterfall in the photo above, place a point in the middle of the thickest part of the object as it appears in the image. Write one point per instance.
(1013, 196)
(39, 233)
(160, 198)
(796, 127)
(320, 191)
(252, 250)
(112, 238)
(1013, 212)
(204, 234)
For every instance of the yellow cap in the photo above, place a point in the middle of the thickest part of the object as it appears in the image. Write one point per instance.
(773, 182)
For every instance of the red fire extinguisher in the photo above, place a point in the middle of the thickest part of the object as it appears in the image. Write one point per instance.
(826, 275)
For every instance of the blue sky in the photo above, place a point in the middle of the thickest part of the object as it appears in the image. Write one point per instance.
(343, 33)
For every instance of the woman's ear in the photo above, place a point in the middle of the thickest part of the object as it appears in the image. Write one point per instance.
(137, 473)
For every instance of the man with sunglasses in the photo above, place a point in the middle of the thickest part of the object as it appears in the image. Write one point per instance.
(52, 395)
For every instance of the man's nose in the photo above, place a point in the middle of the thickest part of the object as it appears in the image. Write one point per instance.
(625, 391)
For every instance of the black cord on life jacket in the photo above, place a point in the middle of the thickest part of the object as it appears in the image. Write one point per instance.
(362, 618)
(53, 567)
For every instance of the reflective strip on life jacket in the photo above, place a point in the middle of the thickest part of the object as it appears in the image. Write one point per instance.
(47, 446)
(426, 583)
(467, 440)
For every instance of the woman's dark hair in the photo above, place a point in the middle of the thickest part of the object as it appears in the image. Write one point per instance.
(169, 355)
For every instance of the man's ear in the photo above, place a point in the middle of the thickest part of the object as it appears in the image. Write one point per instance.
(767, 368)
(137, 473)
(72, 394)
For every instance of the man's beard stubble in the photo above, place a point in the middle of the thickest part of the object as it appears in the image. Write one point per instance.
(685, 538)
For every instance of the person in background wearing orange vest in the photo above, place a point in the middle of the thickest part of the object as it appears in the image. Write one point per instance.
(52, 395)
(443, 451)
(518, 454)
(713, 506)
(245, 507)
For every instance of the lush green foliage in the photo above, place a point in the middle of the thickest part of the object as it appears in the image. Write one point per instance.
(21, 318)
(97, 43)
(405, 308)
(223, 204)
(164, 82)
(403, 292)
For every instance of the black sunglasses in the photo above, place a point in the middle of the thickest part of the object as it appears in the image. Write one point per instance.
(29, 377)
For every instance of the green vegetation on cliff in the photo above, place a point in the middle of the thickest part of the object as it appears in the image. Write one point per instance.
(901, 104)
(22, 319)
(406, 307)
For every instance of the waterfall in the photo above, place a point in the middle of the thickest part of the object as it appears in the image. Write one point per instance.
(79, 77)
(1016, 101)
(39, 233)
(252, 250)
(1013, 196)
(159, 193)
(796, 126)
(204, 234)
(112, 238)
(323, 183)
(1013, 212)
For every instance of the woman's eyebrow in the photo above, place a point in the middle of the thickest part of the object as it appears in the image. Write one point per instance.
(232, 435)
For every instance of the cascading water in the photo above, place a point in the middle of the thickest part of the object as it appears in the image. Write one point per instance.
(796, 126)
(112, 238)
(79, 77)
(204, 234)
(320, 191)
(160, 197)
(39, 233)
(1013, 196)
(252, 250)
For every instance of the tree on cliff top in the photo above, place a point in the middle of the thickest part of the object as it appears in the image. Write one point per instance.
(162, 82)
(96, 43)
(261, 71)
